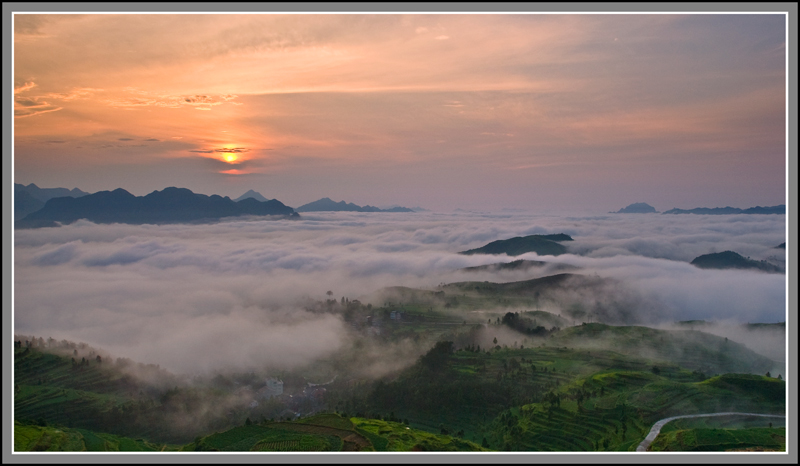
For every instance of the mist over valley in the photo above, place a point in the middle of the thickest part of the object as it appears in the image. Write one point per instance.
(213, 246)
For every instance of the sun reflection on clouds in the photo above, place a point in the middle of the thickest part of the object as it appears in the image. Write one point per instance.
(375, 94)
(235, 171)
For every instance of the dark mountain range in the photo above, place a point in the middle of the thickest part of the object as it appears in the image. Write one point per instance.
(25, 204)
(637, 208)
(396, 209)
(172, 205)
(251, 195)
(518, 265)
(45, 194)
(778, 209)
(30, 198)
(544, 245)
(732, 260)
(327, 205)
(415, 209)
(781, 246)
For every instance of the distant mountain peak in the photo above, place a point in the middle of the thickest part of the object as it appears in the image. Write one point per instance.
(327, 205)
(253, 195)
(637, 208)
(45, 194)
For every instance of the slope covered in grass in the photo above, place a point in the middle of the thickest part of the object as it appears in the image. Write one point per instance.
(31, 437)
(614, 410)
(691, 349)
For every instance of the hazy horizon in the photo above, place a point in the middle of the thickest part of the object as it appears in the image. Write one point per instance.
(576, 112)
(537, 209)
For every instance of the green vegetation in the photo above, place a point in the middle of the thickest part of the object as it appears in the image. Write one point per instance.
(324, 432)
(107, 397)
(760, 439)
(329, 432)
(399, 437)
(614, 410)
(264, 438)
(31, 437)
(691, 349)
(522, 380)
(603, 396)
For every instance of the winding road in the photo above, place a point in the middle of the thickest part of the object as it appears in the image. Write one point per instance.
(658, 425)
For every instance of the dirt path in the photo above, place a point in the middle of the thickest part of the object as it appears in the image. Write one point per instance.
(659, 424)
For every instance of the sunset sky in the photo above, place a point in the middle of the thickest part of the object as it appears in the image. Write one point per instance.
(474, 111)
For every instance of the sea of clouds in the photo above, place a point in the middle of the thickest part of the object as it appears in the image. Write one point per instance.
(194, 298)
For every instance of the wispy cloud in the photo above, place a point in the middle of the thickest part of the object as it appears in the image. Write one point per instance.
(132, 97)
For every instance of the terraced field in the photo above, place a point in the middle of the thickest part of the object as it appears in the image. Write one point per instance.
(396, 436)
(614, 410)
(328, 432)
(689, 349)
(264, 438)
(764, 438)
(588, 388)
(48, 438)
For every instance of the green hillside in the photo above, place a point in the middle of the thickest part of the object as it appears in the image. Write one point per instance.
(32, 437)
(329, 432)
(104, 396)
(614, 410)
(691, 349)
(462, 390)
(758, 439)
(583, 388)
(722, 433)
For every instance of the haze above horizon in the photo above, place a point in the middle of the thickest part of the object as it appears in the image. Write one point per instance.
(485, 112)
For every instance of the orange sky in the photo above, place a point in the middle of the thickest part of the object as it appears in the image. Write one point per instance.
(444, 111)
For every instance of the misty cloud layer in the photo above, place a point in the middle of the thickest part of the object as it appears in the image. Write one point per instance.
(229, 295)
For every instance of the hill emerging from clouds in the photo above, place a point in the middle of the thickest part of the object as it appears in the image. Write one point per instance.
(327, 205)
(732, 260)
(171, 205)
(637, 208)
(778, 209)
(520, 264)
(543, 245)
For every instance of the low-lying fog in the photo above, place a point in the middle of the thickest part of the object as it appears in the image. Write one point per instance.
(198, 297)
